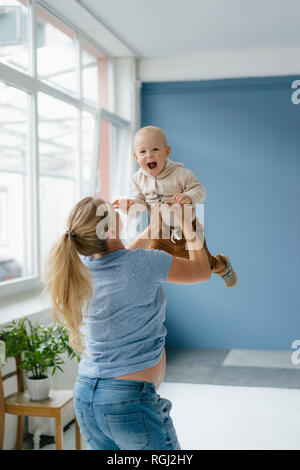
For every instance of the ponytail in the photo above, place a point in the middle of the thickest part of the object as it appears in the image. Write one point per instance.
(67, 279)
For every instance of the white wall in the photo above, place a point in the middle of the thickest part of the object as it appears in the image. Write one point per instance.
(222, 64)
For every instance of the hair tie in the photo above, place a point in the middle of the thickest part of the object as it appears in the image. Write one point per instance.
(69, 232)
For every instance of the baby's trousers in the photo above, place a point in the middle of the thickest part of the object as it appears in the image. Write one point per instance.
(179, 249)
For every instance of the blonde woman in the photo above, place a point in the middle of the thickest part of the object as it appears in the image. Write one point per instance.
(90, 274)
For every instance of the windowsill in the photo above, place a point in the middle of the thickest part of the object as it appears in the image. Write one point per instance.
(22, 305)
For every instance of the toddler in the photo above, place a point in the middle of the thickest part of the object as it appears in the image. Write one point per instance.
(159, 180)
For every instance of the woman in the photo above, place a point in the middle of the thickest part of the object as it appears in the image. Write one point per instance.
(115, 399)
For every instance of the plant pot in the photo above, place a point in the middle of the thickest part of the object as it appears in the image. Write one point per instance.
(38, 388)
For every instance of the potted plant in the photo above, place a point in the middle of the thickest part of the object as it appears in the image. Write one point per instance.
(41, 347)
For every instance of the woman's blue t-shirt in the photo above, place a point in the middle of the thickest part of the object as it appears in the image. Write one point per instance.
(125, 329)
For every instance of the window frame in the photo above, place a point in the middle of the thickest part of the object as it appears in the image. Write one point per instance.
(115, 120)
(32, 85)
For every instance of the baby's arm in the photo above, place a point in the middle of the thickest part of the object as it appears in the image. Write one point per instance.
(133, 205)
(192, 188)
(137, 198)
(137, 195)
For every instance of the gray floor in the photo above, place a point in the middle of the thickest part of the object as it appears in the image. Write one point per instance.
(211, 366)
(248, 368)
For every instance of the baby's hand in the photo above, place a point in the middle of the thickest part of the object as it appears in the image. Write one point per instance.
(123, 204)
(181, 199)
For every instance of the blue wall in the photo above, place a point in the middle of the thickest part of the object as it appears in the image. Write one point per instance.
(241, 138)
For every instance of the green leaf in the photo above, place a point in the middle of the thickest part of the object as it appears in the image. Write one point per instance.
(41, 346)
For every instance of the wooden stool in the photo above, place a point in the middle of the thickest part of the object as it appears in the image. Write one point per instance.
(19, 404)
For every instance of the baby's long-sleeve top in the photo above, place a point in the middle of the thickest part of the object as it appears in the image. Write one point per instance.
(174, 178)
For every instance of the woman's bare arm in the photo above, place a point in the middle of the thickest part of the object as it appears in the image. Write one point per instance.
(182, 270)
(197, 268)
(143, 241)
(150, 232)
(185, 271)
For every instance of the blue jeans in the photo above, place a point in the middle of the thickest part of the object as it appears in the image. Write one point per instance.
(119, 414)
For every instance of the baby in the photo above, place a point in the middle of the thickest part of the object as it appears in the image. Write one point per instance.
(160, 180)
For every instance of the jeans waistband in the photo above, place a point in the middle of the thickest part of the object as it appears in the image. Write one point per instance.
(138, 384)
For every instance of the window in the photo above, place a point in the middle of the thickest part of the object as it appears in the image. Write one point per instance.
(56, 52)
(3, 217)
(14, 34)
(50, 134)
(112, 174)
(92, 72)
(88, 144)
(14, 183)
(13, 135)
(58, 132)
(58, 159)
(108, 175)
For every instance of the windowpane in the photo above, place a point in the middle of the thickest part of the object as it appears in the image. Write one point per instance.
(58, 146)
(58, 150)
(58, 155)
(92, 61)
(13, 128)
(88, 127)
(15, 251)
(57, 197)
(113, 162)
(14, 34)
(56, 57)
(104, 158)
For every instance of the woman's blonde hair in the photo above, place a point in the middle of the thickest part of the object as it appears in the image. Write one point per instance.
(67, 279)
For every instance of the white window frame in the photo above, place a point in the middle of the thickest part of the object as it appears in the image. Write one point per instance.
(31, 84)
(115, 120)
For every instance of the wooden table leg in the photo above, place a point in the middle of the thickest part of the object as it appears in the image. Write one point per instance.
(2, 427)
(20, 432)
(59, 433)
(77, 435)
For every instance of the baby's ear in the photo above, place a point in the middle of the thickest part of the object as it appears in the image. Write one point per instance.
(134, 155)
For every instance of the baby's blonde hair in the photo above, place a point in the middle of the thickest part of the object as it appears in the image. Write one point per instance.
(149, 130)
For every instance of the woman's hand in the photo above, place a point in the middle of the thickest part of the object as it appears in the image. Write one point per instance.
(123, 204)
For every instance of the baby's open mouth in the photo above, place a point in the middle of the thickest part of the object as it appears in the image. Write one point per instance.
(151, 165)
